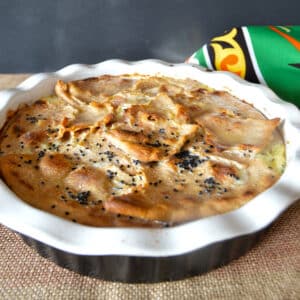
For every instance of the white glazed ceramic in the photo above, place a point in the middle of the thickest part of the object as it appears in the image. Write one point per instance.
(79, 239)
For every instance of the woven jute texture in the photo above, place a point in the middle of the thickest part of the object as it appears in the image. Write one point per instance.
(271, 270)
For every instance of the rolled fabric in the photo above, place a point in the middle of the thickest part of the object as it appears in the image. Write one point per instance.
(263, 54)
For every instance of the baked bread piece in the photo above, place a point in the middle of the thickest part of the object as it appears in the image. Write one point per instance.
(137, 150)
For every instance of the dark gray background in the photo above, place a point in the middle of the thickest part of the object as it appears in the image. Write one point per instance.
(46, 35)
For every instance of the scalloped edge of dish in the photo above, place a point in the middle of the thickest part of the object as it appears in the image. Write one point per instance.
(254, 216)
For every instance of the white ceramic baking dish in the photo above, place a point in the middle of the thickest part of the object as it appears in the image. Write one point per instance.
(139, 254)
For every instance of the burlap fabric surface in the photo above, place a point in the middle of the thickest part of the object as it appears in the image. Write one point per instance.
(271, 270)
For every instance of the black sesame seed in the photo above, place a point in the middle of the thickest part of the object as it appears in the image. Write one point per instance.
(136, 161)
(162, 130)
(155, 144)
(109, 154)
(41, 154)
(234, 176)
(210, 181)
(188, 161)
(110, 174)
(31, 120)
(82, 197)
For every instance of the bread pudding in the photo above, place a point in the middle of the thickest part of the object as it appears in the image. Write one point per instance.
(139, 150)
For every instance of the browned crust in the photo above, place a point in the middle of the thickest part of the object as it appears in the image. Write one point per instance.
(135, 150)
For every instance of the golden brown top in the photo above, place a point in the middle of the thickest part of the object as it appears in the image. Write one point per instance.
(136, 150)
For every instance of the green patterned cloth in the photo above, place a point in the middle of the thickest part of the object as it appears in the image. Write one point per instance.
(263, 54)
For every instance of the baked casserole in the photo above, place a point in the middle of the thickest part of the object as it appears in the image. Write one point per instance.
(139, 150)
